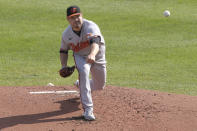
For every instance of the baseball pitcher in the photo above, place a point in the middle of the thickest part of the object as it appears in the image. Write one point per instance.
(84, 38)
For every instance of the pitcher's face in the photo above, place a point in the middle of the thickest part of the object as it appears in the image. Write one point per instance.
(76, 22)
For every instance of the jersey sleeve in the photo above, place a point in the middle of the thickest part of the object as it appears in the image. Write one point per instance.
(94, 30)
(64, 44)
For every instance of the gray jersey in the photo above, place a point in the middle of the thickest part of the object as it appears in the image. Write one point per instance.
(80, 44)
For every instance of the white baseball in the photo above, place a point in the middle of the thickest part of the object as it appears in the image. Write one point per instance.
(50, 84)
(166, 13)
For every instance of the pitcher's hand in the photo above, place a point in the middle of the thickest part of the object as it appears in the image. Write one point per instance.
(90, 58)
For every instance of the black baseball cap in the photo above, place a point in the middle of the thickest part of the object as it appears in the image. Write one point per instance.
(73, 10)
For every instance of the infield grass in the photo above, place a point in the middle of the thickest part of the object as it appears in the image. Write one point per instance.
(144, 49)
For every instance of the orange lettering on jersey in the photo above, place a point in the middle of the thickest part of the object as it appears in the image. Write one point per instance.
(79, 46)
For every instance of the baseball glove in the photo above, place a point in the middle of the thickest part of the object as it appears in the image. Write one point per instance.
(66, 71)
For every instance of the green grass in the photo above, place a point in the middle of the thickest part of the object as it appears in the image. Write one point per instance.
(144, 49)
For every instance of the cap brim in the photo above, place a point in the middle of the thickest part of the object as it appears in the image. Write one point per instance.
(74, 14)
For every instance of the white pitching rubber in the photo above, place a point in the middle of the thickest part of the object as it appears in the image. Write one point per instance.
(53, 92)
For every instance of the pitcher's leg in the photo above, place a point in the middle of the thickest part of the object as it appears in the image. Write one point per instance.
(84, 83)
(98, 73)
(84, 86)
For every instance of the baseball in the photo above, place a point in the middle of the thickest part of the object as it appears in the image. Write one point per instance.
(50, 84)
(166, 13)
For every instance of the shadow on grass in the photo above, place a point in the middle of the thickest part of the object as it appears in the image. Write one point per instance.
(67, 106)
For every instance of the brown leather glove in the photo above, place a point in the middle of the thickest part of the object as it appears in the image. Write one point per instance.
(66, 71)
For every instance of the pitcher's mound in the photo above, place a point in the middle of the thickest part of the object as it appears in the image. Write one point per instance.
(115, 108)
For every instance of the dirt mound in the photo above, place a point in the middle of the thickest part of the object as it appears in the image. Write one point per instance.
(116, 109)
